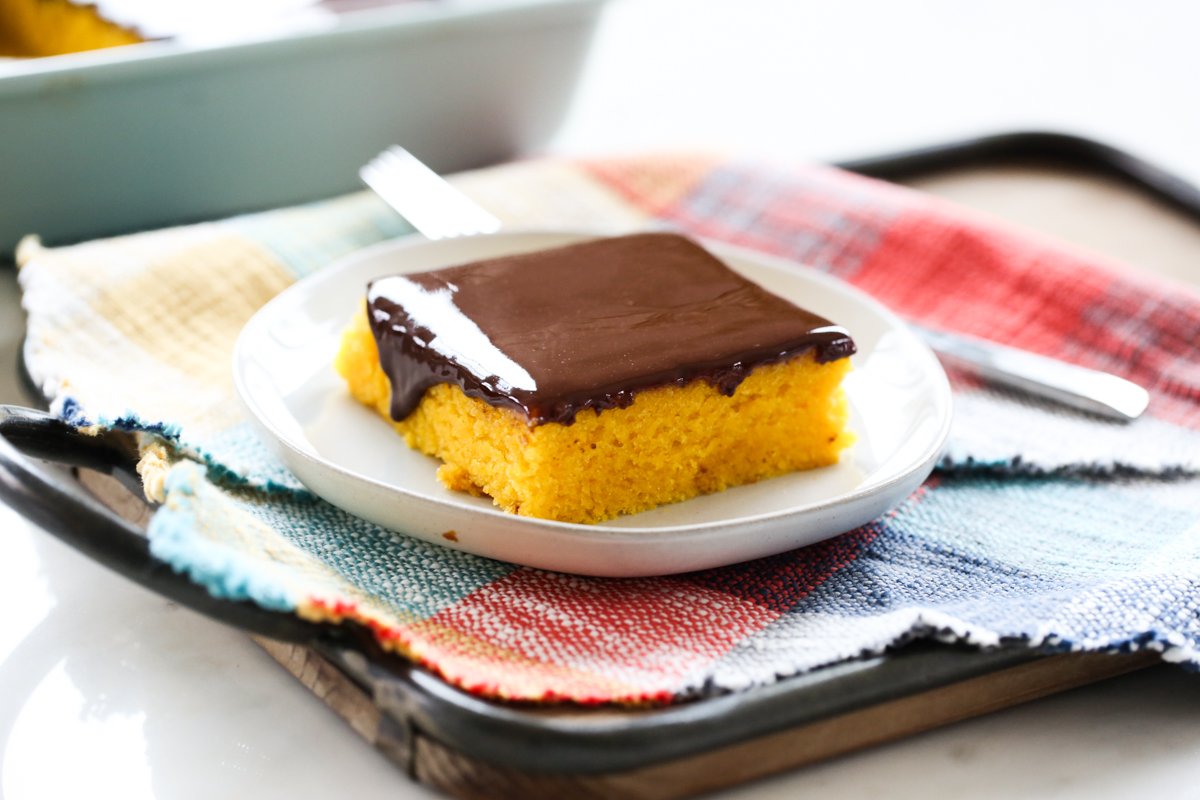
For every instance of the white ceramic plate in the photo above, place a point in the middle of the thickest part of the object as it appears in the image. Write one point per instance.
(345, 453)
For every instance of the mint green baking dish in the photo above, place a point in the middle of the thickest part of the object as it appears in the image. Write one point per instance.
(143, 136)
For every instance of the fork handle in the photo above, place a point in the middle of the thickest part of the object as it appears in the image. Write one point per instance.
(1079, 387)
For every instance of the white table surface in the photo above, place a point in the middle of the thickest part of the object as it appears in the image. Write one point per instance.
(108, 691)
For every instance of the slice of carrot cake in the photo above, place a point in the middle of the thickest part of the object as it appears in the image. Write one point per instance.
(601, 378)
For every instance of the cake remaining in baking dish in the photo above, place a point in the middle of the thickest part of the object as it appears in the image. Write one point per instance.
(601, 378)
(39, 28)
(35, 28)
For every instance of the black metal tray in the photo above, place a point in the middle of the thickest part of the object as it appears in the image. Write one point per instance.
(589, 746)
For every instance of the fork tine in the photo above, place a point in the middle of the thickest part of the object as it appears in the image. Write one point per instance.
(425, 199)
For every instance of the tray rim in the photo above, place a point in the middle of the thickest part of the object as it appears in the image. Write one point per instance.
(536, 739)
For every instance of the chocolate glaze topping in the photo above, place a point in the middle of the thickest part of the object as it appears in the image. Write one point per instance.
(589, 325)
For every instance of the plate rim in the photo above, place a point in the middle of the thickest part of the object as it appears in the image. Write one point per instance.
(925, 462)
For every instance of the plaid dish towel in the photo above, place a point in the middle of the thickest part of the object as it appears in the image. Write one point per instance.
(1044, 526)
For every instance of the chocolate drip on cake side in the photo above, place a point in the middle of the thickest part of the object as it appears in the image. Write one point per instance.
(551, 333)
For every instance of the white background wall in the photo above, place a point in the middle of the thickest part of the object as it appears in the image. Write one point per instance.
(833, 80)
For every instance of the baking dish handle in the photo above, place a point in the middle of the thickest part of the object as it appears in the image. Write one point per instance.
(63, 509)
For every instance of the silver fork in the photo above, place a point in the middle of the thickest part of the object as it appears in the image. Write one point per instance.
(439, 211)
